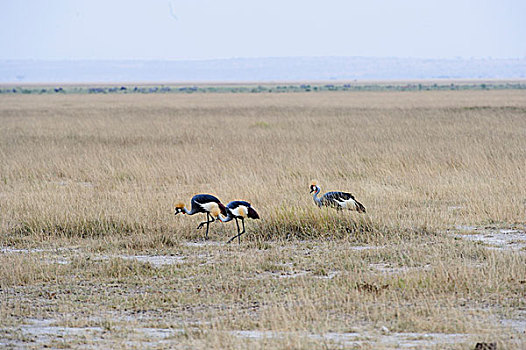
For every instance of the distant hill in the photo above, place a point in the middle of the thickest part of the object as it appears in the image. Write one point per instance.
(259, 70)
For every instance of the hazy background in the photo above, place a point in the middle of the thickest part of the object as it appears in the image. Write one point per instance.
(231, 31)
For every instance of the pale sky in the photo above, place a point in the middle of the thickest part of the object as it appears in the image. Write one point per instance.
(209, 29)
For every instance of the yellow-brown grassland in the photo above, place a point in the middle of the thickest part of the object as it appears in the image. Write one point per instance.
(93, 256)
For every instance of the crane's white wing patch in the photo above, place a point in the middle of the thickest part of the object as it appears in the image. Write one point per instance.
(348, 204)
(240, 211)
(209, 206)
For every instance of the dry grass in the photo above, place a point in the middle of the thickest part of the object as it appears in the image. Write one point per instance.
(93, 179)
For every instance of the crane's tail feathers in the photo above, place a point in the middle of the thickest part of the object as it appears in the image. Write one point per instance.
(252, 213)
(359, 207)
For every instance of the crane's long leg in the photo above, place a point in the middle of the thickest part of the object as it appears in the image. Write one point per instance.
(203, 222)
(209, 219)
(207, 224)
(238, 236)
(231, 239)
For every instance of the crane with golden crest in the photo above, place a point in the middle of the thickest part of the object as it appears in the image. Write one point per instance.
(203, 203)
(239, 210)
(336, 199)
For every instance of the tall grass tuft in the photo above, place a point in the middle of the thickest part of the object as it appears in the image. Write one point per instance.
(312, 223)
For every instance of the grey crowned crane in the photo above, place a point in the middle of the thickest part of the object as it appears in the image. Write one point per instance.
(337, 200)
(239, 210)
(203, 203)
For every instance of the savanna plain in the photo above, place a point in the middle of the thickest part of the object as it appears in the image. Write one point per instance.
(93, 257)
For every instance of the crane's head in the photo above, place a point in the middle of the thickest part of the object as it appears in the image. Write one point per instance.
(179, 208)
(313, 186)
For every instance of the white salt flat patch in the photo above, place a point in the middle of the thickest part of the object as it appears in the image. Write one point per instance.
(80, 183)
(419, 340)
(202, 244)
(258, 334)
(466, 228)
(61, 260)
(13, 250)
(155, 260)
(500, 239)
(518, 325)
(286, 274)
(454, 207)
(508, 231)
(44, 329)
(388, 269)
(367, 247)
(35, 250)
(40, 332)
(161, 333)
(328, 276)
(288, 271)
(398, 340)
(294, 274)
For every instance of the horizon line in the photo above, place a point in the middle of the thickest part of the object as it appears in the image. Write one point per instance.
(455, 58)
